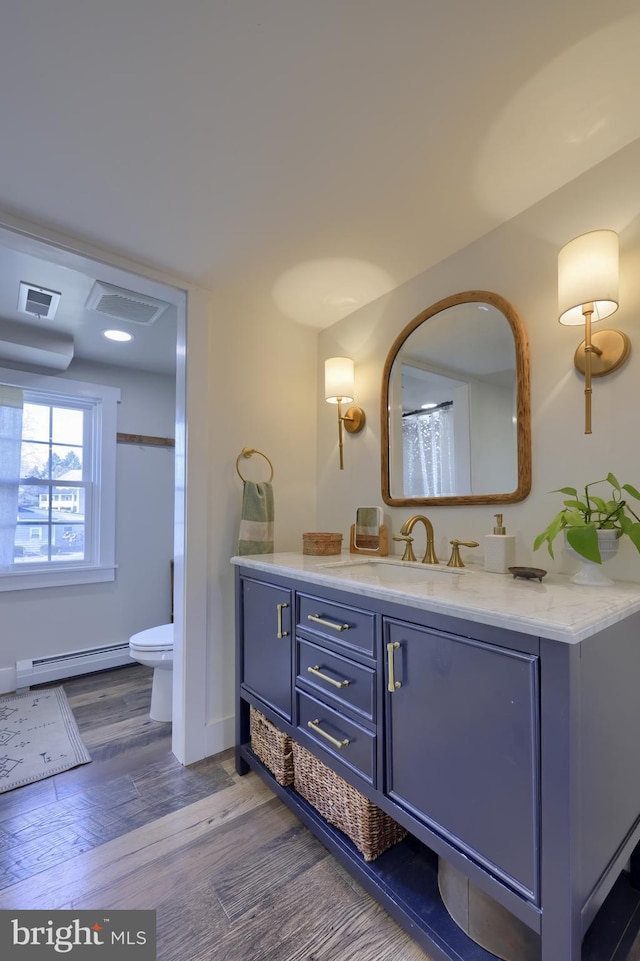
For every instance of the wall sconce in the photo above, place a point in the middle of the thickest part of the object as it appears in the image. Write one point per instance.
(338, 389)
(588, 292)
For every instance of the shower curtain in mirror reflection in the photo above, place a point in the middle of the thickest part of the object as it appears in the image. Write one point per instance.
(428, 456)
(11, 403)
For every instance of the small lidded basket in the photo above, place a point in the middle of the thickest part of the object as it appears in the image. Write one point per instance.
(321, 544)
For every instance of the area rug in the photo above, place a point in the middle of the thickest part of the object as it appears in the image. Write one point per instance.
(38, 737)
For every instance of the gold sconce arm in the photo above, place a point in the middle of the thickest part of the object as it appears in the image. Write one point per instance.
(353, 421)
(599, 354)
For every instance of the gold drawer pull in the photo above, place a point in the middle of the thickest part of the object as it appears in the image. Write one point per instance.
(281, 633)
(325, 677)
(320, 620)
(333, 740)
(393, 685)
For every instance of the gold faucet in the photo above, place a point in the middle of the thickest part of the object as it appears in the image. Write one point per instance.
(455, 560)
(405, 531)
(408, 551)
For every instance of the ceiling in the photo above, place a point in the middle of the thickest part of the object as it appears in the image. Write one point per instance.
(76, 329)
(307, 156)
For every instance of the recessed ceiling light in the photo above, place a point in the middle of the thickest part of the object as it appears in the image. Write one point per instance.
(120, 335)
(427, 406)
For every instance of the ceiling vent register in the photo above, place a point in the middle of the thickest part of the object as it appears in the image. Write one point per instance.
(124, 304)
(38, 301)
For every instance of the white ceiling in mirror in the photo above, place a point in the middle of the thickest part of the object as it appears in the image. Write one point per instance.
(446, 342)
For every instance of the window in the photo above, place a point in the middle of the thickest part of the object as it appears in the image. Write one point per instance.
(57, 481)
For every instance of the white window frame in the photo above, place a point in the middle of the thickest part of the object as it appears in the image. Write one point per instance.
(101, 566)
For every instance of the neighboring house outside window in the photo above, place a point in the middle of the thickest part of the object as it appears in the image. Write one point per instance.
(57, 481)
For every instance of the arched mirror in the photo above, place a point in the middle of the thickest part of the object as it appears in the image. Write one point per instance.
(455, 420)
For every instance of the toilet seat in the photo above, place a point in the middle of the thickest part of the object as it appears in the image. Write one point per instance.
(153, 639)
(150, 648)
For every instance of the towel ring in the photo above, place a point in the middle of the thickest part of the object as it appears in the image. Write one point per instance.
(247, 452)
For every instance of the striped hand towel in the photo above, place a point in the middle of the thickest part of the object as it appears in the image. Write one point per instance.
(256, 523)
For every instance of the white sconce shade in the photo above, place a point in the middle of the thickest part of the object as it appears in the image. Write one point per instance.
(588, 274)
(338, 380)
(338, 387)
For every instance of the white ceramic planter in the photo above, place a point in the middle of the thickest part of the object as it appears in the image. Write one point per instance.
(591, 574)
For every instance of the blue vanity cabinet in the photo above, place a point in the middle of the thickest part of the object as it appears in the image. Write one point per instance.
(265, 618)
(469, 768)
(508, 754)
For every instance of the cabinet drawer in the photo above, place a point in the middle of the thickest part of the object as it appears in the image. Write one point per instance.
(337, 622)
(340, 737)
(337, 678)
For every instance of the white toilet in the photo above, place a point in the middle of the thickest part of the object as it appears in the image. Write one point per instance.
(154, 648)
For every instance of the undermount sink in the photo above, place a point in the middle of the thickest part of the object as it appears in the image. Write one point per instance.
(392, 572)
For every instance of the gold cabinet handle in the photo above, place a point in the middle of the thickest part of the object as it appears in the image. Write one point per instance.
(325, 677)
(320, 620)
(393, 685)
(280, 632)
(314, 725)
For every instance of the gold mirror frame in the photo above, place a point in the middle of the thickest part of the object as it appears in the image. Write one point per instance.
(523, 404)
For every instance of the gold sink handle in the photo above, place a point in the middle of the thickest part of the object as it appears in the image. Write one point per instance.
(455, 560)
(408, 551)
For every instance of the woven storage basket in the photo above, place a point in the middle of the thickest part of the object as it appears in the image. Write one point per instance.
(371, 830)
(272, 747)
(321, 543)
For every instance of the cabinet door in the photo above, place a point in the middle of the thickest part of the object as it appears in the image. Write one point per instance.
(267, 644)
(463, 745)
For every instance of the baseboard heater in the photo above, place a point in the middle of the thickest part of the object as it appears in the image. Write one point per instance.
(42, 670)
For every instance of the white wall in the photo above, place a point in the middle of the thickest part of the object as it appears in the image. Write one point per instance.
(47, 621)
(519, 261)
(262, 388)
(492, 409)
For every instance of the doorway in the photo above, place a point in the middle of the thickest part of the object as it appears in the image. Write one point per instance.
(20, 250)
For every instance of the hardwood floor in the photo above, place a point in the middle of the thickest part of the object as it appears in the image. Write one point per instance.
(231, 872)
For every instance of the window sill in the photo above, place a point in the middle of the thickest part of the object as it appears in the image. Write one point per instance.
(19, 581)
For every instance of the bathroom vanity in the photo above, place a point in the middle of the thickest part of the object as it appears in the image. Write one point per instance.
(494, 719)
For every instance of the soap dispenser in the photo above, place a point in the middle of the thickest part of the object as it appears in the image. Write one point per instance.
(499, 549)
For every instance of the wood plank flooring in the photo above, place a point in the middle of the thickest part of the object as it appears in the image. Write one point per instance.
(231, 872)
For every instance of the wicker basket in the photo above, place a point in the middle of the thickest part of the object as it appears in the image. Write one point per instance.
(371, 830)
(272, 747)
(321, 543)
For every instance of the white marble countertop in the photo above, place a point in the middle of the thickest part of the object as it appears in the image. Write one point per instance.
(553, 608)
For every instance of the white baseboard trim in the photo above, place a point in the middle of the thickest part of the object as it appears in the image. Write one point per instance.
(61, 667)
(7, 680)
(219, 735)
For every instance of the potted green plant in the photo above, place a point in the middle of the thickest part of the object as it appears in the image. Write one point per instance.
(583, 516)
